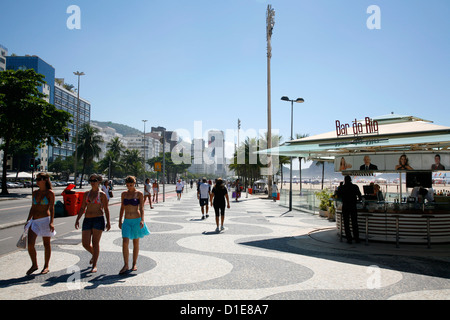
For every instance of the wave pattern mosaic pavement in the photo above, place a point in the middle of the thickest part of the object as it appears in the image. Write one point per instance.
(264, 252)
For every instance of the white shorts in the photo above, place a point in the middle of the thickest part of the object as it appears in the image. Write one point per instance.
(41, 227)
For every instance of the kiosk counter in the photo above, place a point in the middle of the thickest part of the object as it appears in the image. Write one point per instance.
(407, 222)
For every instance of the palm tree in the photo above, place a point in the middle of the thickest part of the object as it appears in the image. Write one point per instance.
(88, 146)
(300, 136)
(132, 162)
(276, 139)
(109, 164)
(249, 170)
(115, 149)
(283, 160)
(318, 163)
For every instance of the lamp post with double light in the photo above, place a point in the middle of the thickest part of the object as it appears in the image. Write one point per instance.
(298, 100)
(145, 150)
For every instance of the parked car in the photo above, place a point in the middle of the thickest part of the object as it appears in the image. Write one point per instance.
(11, 185)
(27, 184)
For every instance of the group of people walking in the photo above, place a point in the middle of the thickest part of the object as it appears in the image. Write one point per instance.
(218, 198)
(149, 188)
(94, 206)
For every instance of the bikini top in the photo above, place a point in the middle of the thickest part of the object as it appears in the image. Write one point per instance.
(44, 201)
(133, 202)
(95, 201)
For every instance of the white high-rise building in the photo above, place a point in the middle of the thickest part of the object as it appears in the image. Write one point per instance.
(149, 147)
(197, 152)
(107, 133)
(3, 54)
(215, 162)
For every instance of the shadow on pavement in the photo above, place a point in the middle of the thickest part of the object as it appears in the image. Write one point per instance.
(430, 266)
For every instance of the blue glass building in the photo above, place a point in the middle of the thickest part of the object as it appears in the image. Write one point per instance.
(40, 66)
(61, 98)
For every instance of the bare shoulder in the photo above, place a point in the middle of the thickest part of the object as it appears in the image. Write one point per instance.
(51, 193)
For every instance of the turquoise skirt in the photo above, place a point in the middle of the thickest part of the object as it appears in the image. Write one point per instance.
(131, 229)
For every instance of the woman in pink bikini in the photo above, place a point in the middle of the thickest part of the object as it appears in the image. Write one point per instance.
(133, 225)
(94, 204)
(40, 221)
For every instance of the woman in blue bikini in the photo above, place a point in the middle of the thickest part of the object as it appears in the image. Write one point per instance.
(95, 203)
(133, 225)
(40, 221)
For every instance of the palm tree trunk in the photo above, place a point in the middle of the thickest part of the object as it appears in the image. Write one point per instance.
(82, 174)
(5, 166)
(323, 172)
(300, 172)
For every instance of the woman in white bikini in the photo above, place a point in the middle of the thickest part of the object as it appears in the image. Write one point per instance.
(133, 225)
(40, 221)
(95, 208)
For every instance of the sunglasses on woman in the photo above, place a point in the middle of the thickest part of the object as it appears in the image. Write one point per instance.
(40, 179)
(93, 180)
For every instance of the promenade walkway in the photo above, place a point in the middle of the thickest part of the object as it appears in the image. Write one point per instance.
(265, 252)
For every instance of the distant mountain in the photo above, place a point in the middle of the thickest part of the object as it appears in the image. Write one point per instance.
(120, 128)
(315, 171)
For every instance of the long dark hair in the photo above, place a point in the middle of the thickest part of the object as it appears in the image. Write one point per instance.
(46, 176)
(406, 160)
(220, 184)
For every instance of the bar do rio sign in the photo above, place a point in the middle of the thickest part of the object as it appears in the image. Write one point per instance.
(369, 126)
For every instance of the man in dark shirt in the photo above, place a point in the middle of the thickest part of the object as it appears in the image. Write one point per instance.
(350, 195)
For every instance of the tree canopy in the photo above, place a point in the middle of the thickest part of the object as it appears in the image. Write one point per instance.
(25, 116)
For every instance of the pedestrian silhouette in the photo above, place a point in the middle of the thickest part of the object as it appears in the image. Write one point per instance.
(350, 195)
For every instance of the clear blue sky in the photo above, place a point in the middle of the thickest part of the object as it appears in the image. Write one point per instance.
(174, 62)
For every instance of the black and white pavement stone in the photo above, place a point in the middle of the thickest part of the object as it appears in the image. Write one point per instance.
(264, 253)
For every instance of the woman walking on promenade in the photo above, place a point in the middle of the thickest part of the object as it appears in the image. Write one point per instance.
(147, 192)
(133, 225)
(217, 198)
(106, 188)
(40, 221)
(155, 187)
(95, 208)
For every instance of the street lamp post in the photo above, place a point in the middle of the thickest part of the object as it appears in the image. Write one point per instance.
(164, 165)
(299, 100)
(270, 23)
(145, 151)
(76, 134)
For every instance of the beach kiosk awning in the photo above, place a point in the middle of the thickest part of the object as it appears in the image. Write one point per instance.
(407, 145)
(20, 175)
(390, 133)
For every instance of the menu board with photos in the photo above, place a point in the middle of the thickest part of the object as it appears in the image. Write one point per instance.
(393, 162)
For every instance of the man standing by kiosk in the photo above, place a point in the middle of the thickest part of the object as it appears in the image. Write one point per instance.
(350, 195)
